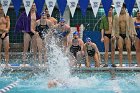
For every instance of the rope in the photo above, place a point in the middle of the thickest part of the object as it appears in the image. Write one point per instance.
(9, 87)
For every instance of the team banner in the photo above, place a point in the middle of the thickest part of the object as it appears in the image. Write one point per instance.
(62, 5)
(17, 4)
(72, 6)
(95, 6)
(138, 4)
(83, 6)
(50, 5)
(130, 5)
(118, 5)
(39, 5)
(106, 5)
(28, 5)
(5, 5)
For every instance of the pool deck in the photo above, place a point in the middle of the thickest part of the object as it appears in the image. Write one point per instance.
(83, 68)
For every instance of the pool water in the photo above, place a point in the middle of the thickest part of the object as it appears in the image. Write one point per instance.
(97, 82)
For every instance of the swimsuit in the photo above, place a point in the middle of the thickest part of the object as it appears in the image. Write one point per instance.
(5, 36)
(43, 30)
(123, 36)
(137, 29)
(90, 51)
(75, 48)
(108, 35)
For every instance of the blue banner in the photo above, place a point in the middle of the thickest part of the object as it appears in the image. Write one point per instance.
(39, 5)
(106, 5)
(130, 5)
(83, 6)
(17, 4)
(62, 5)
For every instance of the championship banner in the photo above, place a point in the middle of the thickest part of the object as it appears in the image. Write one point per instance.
(17, 4)
(62, 5)
(39, 5)
(5, 5)
(95, 6)
(72, 6)
(118, 5)
(106, 5)
(28, 5)
(50, 5)
(138, 4)
(83, 6)
(130, 5)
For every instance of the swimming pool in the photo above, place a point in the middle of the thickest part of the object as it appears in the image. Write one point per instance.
(81, 82)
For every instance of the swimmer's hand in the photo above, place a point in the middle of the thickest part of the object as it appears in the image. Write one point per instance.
(102, 39)
(3, 35)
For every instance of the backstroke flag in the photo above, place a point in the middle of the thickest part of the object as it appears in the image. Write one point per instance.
(50, 5)
(28, 5)
(106, 5)
(17, 4)
(72, 6)
(5, 5)
(95, 6)
(118, 5)
(62, 5)
(138, 4)
(130, 5)
(83, 6)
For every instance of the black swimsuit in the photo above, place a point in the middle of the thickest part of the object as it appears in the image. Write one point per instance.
(5, 36)
(43, 30)
(123, 36)
(31, 34)
(108, 35)
(91, 51)
(75, 48)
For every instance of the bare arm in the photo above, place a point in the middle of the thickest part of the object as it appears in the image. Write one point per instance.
(7, 25)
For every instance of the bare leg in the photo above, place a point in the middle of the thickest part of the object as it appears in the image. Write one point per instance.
(120, 47)
(106, 44)
(112, 51)
(138, 51)
(6, 49)
(0, 49)
(128, 47)
(34, 46)
(87, 61)
(96, 59)
(27, 39)
(40, 47)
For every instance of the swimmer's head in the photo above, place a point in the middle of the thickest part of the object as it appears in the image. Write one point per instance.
(75, 34)
(52, 84)
(43, 15)
(62, 21)
(88, 39)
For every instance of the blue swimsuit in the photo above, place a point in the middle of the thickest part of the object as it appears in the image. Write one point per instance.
(137, 29)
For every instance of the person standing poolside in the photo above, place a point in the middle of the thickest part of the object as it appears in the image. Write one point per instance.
(123, 29)
(24, 24)
(4, 36)
(91, 51)
(42, 32)
(137, 43)
(106, 30)
(76, 46)
(52, 19)
(62, 31)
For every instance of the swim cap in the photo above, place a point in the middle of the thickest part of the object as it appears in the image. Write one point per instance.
(88, 39)
(75, 33)
(43, 13)
(62, 20)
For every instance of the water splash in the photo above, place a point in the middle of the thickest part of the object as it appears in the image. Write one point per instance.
(58, 62)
